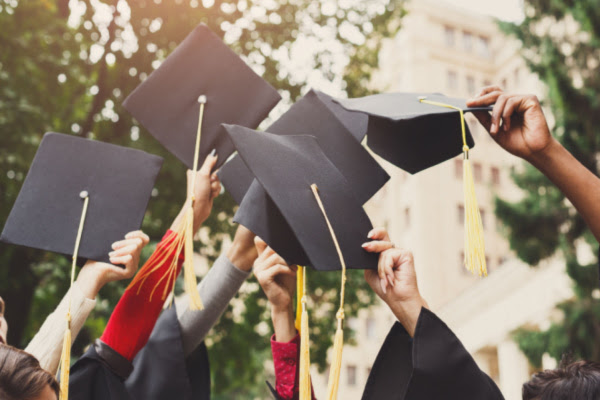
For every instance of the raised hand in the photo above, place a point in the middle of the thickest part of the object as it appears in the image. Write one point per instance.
(395, 281)
(94, 275)
(278, 281)
(206, 187)
(517, 122)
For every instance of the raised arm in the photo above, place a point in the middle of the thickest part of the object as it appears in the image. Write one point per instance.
(518, 125)
(47, 344)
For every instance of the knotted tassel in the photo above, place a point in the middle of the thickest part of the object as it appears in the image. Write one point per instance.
(184, 240)
(65, 363)
(474, 242)
(338, 342)
(305, 387)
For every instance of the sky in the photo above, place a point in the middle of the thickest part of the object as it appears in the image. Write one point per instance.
(509, 10)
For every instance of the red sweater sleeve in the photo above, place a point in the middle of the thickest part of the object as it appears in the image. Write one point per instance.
(286, 357)
(134, 317)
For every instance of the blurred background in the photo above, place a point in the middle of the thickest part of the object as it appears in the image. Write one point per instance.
(67, 65)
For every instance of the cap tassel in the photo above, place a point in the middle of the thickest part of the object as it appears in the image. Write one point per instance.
(65, 369)
(184, 240)
(65, 362)
(305, 387)
(338, 343)
(474, 242)
(299, 295)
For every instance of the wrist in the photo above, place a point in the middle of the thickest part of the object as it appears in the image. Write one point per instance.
(89, 284)
(546, 155)
(408, 311)
(283, 323)
(242, 255)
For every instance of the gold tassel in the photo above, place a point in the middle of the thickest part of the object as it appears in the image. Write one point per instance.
(65, 368)
(336, 363)
(474, 242)
(299, 295)
(65, 363)
(305, 387)
(184, 239)
(338, 343)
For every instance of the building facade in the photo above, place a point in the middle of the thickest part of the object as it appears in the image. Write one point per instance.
(441, 48)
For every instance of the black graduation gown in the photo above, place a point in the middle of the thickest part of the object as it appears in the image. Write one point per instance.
(159, 372)
(434, 365)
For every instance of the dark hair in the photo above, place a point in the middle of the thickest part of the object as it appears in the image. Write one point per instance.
(21, 377)
(576, 380)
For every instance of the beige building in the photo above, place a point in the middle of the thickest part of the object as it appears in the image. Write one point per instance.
(445, 49)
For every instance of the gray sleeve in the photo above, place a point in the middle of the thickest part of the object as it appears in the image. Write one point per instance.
(217, 289)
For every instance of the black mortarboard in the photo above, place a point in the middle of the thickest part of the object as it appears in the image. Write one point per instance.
(166, 103)
(286, 167)
(409, 133)
(316, 114)
(48, 209)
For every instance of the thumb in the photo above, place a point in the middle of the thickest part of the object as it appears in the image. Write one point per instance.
(260, 244)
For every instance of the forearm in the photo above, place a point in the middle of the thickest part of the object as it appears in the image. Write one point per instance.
(217, 289)
(283, 324)
(47, 344)
(578, 184)
(134, 317)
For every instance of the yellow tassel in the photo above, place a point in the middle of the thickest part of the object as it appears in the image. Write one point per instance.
(184, 240)
(305, 387)
(336, 363)
(299, 295)
(65, 368)
(189, 274)
(474, 242)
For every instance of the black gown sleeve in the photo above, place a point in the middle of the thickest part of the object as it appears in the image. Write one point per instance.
(434, 366)
(100, 375)
(161, 370)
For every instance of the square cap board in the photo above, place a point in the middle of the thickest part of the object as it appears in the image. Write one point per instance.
(167, 102)
(410, 134)
(48, 209)
(286, 167)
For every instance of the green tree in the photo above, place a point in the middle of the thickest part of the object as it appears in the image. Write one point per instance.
(67, 66)
(561, 44)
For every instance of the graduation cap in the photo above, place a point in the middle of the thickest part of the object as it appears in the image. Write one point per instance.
(78, 198)
(336, 129)
(320, 208)
(183, 103)
(415, 131)
(201, 73)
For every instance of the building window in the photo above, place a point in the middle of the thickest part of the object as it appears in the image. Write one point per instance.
(452, 80)
(468, 41)
(461, 262)
(369, 371)
(449, 36)
(371, 328)
(351, 375)
(483, 45)
(482, 213)
(487, 83)
(501, 260)
(517, 76)
(504, 84)
(487, 264)
(461, 214)
(478, 172)
(495, 176)
(458, 168)
(471, 85)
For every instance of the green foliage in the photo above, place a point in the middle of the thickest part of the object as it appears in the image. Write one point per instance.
(561, 44)
(66, 66)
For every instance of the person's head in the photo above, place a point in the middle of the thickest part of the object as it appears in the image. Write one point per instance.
(3, 324)
(22, 378)
(577, 380)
